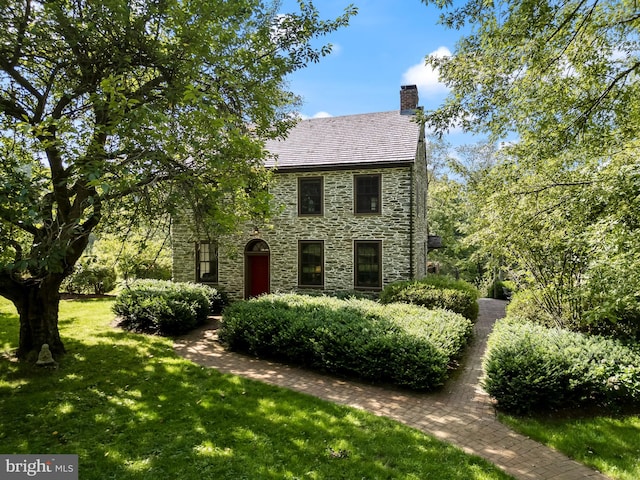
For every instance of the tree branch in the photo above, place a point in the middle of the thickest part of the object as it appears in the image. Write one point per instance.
(93, 220)
(21, 33)
(632, 19)
(18, 248)
(13, 110)
(539, 213)
(10, 287)
(566, 21)
(575, 34)
(37, 116)
(151, 180)
(27, 227)
(622, 75)
(20, 80)
(554, 185)
(143, 92)
(58, 177)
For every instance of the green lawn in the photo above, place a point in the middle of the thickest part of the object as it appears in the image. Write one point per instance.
(130, 408)
(611, 445)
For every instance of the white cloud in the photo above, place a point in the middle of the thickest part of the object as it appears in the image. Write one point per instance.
(336, 49)
(302, 116)
(425, 77)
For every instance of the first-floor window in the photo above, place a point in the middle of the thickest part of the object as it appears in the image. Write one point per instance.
(207, 262)
(368, 263)
(311, 263)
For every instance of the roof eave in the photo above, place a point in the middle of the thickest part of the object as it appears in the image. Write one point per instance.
(341, 166)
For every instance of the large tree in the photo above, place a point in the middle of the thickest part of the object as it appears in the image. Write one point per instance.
(120, 107)
(561, 81)
(564, 71)
(453, 206)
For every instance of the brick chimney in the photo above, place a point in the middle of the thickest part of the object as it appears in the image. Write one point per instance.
(408, 99)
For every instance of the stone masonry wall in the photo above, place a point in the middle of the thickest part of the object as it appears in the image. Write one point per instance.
(339, 227)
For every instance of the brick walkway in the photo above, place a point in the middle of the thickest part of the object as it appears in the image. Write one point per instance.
(462, 413)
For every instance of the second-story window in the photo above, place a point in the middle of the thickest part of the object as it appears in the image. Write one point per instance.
(310, 196)
(367, 194)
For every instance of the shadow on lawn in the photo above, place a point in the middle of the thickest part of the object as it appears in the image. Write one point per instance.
(130, 408)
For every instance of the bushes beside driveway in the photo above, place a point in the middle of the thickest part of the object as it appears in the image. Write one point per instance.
(166, 308)
(532, 368)
(402, 344)
(435, 291)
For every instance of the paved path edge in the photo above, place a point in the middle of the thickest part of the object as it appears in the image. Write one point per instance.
(461, 413)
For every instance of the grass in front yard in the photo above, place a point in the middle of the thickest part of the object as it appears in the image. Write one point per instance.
(132, 409)
(609, 444)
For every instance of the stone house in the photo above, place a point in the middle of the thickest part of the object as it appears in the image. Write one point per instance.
(353, 194)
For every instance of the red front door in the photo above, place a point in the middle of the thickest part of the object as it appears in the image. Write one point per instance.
(258, 273)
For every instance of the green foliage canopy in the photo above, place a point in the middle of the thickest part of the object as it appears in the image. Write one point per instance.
(101, 102)
(561, 205)
(563, 71)
(125, 108)
(454, 204)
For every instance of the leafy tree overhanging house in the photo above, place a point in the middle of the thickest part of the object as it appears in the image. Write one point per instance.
(116, 112)
(350, 197)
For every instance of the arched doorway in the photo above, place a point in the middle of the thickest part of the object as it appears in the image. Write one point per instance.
(256, 275)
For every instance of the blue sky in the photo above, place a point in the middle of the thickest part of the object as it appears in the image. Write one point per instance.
(383, 48)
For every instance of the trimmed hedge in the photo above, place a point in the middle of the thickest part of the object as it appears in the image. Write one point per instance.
(448, 282)
(401, 344)
(164, 307)
(531, 368)
(435, 291)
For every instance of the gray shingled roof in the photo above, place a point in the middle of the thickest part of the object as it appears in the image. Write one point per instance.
(371, 138)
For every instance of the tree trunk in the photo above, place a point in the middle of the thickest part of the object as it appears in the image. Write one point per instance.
(38, 307)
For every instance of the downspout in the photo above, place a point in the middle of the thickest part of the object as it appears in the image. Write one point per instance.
(411, 221)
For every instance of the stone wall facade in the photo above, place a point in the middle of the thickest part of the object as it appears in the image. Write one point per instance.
(400, 227)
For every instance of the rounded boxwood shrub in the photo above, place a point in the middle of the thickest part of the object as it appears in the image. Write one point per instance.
(448, 282)
(529, 368)
(436, 293)
(164, 307)
(402, 344)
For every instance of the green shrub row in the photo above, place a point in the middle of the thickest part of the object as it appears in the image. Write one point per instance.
(525, 305)
(448, 282)
(435, 291)
(529, 368)
(90, 277)
(619, 321)
(401, 344)
(164, 307)
(500, 289)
